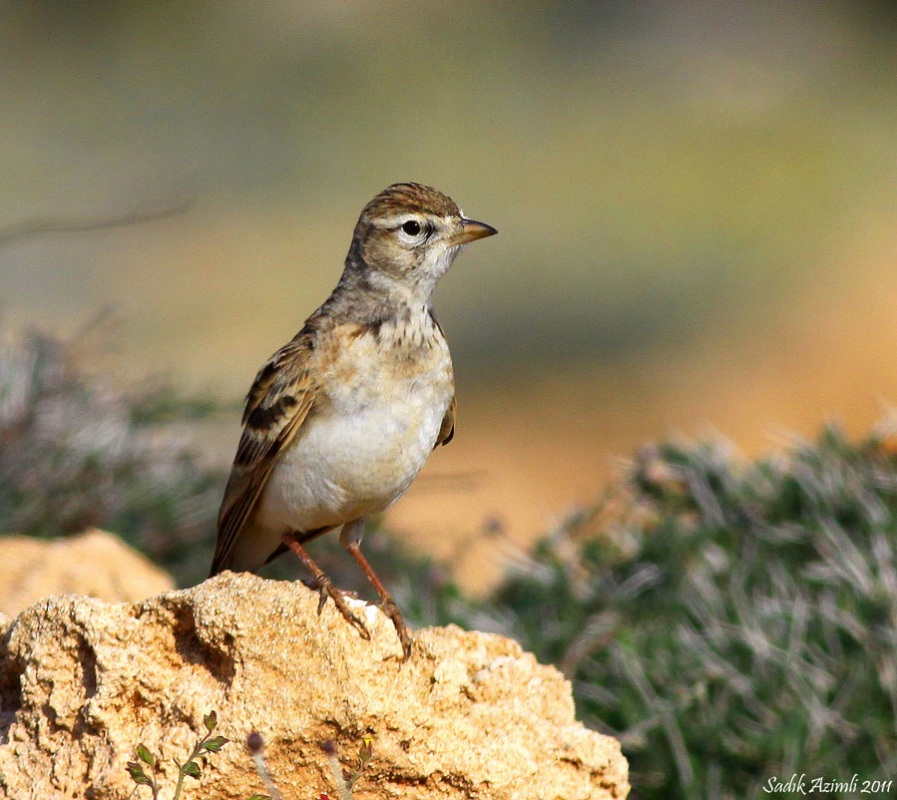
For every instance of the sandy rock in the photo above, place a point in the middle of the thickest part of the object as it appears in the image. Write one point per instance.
(471, 715)
(93, 563)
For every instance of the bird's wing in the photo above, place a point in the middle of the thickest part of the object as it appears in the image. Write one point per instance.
(447, 429)
(279, 401)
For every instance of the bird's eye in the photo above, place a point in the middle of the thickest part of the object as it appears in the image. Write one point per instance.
(411, 227)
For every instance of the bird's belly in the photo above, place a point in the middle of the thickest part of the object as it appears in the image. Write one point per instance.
(352, 461)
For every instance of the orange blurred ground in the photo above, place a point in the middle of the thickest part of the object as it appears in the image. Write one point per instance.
(526, 455)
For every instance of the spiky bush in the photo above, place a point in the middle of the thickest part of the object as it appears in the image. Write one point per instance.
(76, 451)
(731, 623)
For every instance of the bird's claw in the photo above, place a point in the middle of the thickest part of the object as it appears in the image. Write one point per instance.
(327, 589)
(388, 607)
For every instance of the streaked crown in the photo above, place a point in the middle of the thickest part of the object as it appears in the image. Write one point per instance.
(410, 198)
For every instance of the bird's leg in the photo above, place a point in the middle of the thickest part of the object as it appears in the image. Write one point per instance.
(325, 585)
(350, 537)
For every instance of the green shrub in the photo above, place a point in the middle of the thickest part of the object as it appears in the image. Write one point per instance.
(732, 624)
(76, 451)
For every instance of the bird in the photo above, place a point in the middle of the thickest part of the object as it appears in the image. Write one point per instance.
(341, 419)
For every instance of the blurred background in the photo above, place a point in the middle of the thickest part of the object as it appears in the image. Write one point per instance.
(695, 203)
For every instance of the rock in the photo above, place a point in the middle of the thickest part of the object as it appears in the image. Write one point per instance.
(94, 563)
(83, 682)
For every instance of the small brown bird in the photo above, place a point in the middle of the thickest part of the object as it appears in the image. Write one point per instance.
(340, 420)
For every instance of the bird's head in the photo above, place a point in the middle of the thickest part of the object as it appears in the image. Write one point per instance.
(411, 233)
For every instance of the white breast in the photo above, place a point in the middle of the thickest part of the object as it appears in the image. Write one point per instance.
(369, 438)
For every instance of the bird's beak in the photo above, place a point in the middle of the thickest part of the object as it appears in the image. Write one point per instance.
(471, 230)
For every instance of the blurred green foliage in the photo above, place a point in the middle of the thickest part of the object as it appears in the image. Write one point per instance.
(76, 451)
(731, 624)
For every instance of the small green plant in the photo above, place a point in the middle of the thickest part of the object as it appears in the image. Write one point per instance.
(189, 769)
(138, 773)
(365, 754)
(346, 778)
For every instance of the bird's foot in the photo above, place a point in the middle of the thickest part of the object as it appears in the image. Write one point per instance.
(387, 606)
(313, 584)
(326, 589)
(324, 586)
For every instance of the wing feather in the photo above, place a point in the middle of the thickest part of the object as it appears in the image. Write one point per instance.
(279, 401)
(447, 429)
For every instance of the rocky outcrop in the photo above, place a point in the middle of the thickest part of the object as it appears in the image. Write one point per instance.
(83, 682)
(94, 563)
